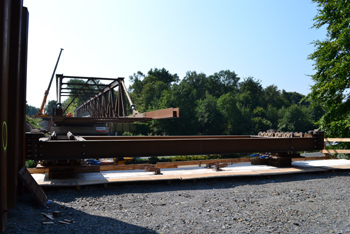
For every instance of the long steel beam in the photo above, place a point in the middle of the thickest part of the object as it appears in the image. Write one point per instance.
(192, 145)
(62, 120)
(165, 113)
(109, 138)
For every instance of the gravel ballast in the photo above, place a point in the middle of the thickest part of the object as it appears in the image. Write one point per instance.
(298, 203)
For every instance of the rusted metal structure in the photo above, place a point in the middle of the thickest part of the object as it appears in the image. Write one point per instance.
(138, 146)
(101, 104)
(98, 99)
(13, 66)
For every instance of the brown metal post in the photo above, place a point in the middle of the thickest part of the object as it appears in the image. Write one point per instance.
(120, 105)
(23, 93)
(5, 7)
(14, 122)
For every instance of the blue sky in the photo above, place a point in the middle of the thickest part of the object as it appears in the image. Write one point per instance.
(269, 40)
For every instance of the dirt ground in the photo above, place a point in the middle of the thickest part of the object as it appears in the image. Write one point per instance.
(300, 203)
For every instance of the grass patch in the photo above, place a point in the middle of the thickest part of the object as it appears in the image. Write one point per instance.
(34, 121)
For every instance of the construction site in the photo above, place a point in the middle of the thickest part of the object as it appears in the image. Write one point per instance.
(86, 151)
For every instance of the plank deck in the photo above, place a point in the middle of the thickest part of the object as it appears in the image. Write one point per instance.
(188, 172)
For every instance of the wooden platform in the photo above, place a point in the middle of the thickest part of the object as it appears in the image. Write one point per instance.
(192, 172)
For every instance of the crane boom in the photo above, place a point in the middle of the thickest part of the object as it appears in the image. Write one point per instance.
(48, 88)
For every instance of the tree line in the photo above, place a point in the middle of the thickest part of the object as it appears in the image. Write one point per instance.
(221, 103)
(31, 110)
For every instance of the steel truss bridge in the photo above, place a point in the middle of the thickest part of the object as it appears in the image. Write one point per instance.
(100, 102)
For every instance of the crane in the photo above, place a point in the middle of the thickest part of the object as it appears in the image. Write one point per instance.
(40, 114)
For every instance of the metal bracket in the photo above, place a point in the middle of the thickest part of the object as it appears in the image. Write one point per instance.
(153, 169)
(217, 166)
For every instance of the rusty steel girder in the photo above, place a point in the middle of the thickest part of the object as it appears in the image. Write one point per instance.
(114, 147)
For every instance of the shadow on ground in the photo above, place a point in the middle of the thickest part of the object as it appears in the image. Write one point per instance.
(26, 218)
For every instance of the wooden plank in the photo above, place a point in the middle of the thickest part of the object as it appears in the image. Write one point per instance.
(122, 167)
(77, 169)
(38, 170)
(337, 139)
(33, 186)
(337, 167)
(231, 160)
(235, 160)
(316, 158)
(176, 164)
(346, 151)
(298, 159)
(329, 156)
(146, 178)
(168, 165)
(200, 162)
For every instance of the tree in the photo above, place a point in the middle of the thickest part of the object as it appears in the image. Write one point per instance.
(252, 88)
(146, 91)
(332, 66)
(296, 118)
(293, 98)
(273, 97)
(223, 82)
(209, 117)
(184, 97)
(272, 116)
(259, 121)
(49, 107)
(232, 122)
(31, 110)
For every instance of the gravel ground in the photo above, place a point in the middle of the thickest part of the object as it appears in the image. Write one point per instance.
(300, 203)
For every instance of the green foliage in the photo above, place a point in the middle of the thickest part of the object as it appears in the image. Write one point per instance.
(195, 157)
(127, 134)
(272, 116)
(153, 159)
(260, 124)
(232, 118)
(31, 110)
(218, 104)
(49, 107)
(332, 67)
(208, 115)
(30, 164)
(296, 119)
(252, 92)
(146, 91)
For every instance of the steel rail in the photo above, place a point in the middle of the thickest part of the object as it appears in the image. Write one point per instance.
(169, 146)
